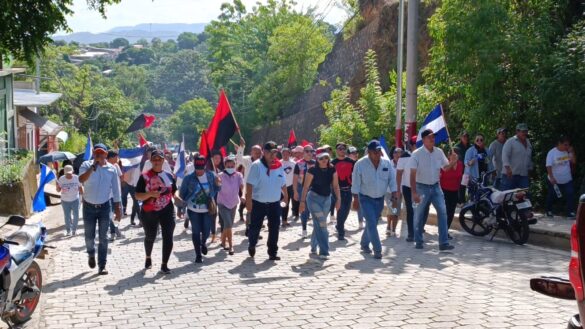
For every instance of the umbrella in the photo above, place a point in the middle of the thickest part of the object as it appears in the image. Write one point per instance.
(56, 156)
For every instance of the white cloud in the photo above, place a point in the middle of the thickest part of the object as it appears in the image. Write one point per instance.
(133, 12)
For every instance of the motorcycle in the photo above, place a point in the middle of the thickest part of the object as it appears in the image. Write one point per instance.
(20, 276)
(490, 210)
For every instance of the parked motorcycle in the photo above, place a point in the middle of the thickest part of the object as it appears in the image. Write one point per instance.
(490, 210)
(21, 278)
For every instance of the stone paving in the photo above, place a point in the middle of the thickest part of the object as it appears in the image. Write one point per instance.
(480, 284)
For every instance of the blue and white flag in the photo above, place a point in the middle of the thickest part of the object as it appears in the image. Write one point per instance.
(47, 175)
(131, 158)
(88, 149)
(180, 166)
(435, 122)
(385, 149)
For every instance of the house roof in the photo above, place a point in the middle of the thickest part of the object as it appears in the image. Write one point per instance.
(47, 125)
(4, 72)
(28, 97)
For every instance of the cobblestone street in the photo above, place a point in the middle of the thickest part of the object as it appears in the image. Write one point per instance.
(480, 284)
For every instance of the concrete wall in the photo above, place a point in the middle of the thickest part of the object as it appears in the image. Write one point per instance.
(16, 199)
(345, 61)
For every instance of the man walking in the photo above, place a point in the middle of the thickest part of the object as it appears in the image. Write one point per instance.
(264, 185)
(560, 179)
(372, 176)
(495, 149)
(100, 179)
(425, 167)
(517, 159)
(344, 168)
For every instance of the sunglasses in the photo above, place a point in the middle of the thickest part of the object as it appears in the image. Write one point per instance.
(341, 149)
(323, 158)
(479, 140)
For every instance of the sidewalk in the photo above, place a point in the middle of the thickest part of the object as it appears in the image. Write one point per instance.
(547, 232)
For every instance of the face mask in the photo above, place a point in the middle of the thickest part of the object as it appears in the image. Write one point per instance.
(230, 171)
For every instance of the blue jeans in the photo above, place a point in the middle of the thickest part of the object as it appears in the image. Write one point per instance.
(201, 226)
(343, 213)
(516, 181)
(100, 216)
(319, 207)
(430, 194)
(305, 214)
(372, 209)
(71, 209)
(568, 192)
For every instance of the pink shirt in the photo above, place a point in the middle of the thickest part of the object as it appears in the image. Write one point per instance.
(230, 186)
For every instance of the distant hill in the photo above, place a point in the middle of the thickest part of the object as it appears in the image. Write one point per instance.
(134, 33)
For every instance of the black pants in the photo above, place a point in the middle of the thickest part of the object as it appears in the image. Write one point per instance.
(407, 194)
(260, 210)
(451, 198)
(461, 194)
(151, 221)
(289, 191)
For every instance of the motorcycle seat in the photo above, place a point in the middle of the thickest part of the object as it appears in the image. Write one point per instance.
(26, 237)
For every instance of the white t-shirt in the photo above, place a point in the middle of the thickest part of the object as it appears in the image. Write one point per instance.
(560, 162)
(69, 188)
(289, 168)
(403, 165)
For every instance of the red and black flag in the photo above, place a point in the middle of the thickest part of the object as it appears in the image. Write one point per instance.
(141, 122)
(223, 125)
(203, 146)
(292, 139)
(141, 140)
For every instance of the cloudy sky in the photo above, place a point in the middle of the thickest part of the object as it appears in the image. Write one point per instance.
(132, 12)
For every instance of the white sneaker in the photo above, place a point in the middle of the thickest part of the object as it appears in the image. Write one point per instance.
(323, 257)
(332, 218)
(67, 233)
(304, 234)
(361, 225)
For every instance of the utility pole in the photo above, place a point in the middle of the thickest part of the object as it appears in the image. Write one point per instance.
(398, 136)
(411, 67)
(38, 75)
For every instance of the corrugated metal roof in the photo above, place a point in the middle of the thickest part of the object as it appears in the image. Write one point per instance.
(28, 97)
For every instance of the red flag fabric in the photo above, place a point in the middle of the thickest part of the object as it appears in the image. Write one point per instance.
(203, 146)
(141, 122)
(142, 140)
(292, 139)
(223, 151)
(304, 143)
(222, 126)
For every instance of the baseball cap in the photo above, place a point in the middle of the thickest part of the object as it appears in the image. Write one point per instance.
(374, 145)
(157, 153)
(352, 149)
(501, 130)
(68, 169)
(100, 148)
(398, 150)
(326, 147)
(285, 149)
(522, 127)
(199, 162)
(464, 133)
(298, 149)
(229, 158)
(340, 144)
(428, 132)
(270, 146)
(322, 152)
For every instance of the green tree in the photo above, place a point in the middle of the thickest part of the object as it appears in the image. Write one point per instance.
(27, 25)
(119, 43)
(189, 119)
(181, 77)
(187, 40)
(136, 56)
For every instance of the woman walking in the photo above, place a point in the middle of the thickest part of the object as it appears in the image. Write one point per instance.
(394, 205)
(70, 189)
(232, 184)
(155, 188)
(450, 183)
(477, 158)
(316, 197)
(198, 190)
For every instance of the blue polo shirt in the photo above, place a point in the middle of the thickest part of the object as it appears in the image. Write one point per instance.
(267, 186)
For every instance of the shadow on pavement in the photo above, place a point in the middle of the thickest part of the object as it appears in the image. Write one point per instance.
(76, 281)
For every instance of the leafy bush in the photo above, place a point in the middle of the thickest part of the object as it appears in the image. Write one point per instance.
(12, 167)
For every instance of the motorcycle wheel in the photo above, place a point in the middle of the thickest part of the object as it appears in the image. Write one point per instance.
(471, 219)
(32, 277)
(517, 228)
